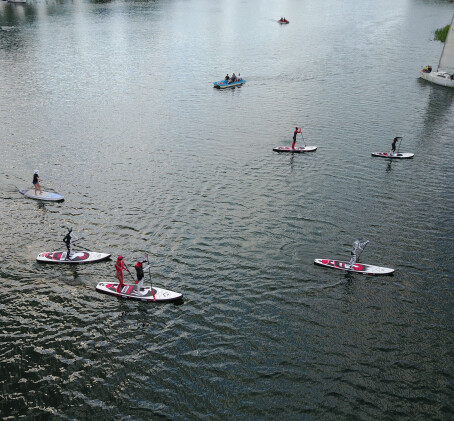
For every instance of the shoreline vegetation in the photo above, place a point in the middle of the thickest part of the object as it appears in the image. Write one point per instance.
(441, 34)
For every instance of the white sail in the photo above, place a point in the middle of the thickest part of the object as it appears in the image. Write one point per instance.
(446, 63)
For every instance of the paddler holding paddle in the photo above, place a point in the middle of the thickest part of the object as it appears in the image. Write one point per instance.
(358, 248)
(393, 145)
(297, 130)
(36, 181)
(67, 240)
(140, 276)
(119, 266)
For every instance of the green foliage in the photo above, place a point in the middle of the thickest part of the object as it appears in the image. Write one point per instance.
(442, 33)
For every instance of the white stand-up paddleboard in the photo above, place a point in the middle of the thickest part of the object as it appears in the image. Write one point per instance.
(357, 267)
(44, 196)
(77, 257)
(146, 294)
(393, 155)
(296, 150)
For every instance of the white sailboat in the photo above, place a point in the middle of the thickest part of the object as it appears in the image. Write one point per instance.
(445, 72)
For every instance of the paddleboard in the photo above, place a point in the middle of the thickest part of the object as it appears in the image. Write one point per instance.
(76, 257)
(44, 196)
(130, 291)
(296, 150)
(393, 156)
(357, 268)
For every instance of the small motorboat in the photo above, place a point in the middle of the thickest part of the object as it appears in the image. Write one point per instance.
(222, 84)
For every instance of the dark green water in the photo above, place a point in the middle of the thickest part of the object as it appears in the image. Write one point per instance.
(113, 103)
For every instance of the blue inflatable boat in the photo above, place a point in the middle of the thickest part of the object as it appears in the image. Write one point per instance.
(222, 84)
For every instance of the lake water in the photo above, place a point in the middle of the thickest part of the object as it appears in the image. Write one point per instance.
(114, 104)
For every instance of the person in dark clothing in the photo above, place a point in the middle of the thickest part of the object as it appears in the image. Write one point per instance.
(297, 130)
(393, 145)
(36, 181)
(140, 276)
(67, 240)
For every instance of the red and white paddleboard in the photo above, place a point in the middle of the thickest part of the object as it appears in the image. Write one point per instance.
(130, 291)
(296, 150)
(77, 257)
(357, 268)
(394, 155)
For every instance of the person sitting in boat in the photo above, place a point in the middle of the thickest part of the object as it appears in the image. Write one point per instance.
(427, 69)
(233, 78)
(239, 77)
(227, 77)
(140, 276)
(36, 181)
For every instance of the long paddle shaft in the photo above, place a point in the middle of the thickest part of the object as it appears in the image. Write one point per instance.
(303, 139)
(149, 274)
(80, 239)
(129, 272)
(362, 249)
(400, 143)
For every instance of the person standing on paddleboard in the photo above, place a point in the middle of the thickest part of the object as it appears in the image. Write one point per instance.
(297, 130)
(358, 248)
(36, 181)
(119, 266)
(140, 276)
(67, 240)
(393, 145)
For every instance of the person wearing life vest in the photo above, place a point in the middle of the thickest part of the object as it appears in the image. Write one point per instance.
(67, 240)
(297, 130)
(119, 266)
(36, 181)
(140, 276)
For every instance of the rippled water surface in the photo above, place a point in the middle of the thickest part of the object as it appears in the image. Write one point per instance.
(113, 103)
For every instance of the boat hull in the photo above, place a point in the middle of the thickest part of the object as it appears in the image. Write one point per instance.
(439, 78)
(222, 84)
